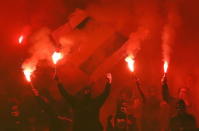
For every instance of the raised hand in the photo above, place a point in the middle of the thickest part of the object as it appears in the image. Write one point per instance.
(164, 79)
(137, 81)
(109, 78)
(56, 78)
(35, 91)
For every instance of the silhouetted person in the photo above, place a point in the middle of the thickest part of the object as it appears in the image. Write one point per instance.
(182, 121)
(16, 118)
(150, 107)
(55, 123)
(172, 101)
(86, 110)
(122, 121)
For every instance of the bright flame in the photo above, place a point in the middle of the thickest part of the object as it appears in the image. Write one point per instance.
(56, 57)
(28, 72)
(165, 66)
(21, 38)
(130, 62)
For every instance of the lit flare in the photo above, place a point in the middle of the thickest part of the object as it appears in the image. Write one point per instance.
(28, 72)
(56, 57)
(21, 38)
(165, 66)
(130, 61)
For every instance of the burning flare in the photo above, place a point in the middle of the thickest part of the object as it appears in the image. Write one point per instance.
(130, 62)
(56, 57)
(28, 72)
(21, 38)
(165, 66)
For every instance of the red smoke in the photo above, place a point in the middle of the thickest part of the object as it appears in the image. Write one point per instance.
(41, 49)
(169, 31)
(130, 61)
(135, 40)
(179, 46)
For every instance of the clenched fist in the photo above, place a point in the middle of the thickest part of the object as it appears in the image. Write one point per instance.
(109, 78)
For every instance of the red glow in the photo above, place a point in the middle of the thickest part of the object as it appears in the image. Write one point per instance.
(130, 62)
(21, 38)
(28, 72)
(165, 66)
(56, 57)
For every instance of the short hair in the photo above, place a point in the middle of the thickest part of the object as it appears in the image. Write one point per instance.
(181, 104)
(182, 88)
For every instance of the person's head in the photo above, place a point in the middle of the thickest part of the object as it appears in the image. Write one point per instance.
(87, 91)
(125, 95)
(15, 110)
(136, 102)
(84, 93)
(123, 107)
(181, 106)
(14, 105)
(182, 93)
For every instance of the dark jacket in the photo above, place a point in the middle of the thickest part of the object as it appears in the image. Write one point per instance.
(86, 112)
(129, 123)
(183, 122)
(54, 122)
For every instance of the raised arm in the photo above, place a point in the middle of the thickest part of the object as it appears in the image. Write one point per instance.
(140, 90)
(101, 99)
(43, 102)
(38, 97)
(64, 93)
(109, 125)
(165, 90)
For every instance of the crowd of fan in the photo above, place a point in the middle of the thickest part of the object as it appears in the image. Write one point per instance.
(144, 116)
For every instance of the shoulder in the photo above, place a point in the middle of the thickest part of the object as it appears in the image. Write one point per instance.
(131, 117)
(190, 116)
(110, 117)
(174, 118)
